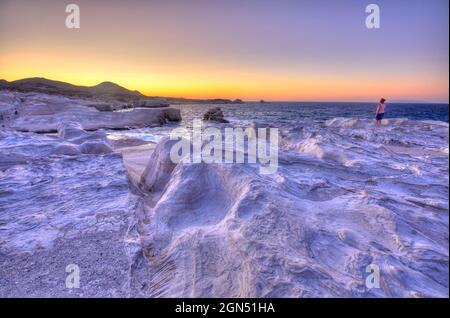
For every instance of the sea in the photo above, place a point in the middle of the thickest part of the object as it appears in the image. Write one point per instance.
(291, 114)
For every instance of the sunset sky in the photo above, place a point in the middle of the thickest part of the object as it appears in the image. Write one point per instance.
(249, 49)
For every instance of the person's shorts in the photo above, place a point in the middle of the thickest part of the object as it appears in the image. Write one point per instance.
(380, 116)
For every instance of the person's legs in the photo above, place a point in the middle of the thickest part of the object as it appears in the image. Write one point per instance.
(379, 118)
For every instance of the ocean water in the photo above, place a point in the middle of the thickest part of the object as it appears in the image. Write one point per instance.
(290, 113)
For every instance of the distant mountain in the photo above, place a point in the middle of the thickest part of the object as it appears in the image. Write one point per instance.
(106, 90)
(112, 88)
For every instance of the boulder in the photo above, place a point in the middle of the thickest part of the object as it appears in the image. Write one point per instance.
(152, 102)
(95, 148)
(66, 149)
(70, 130)
(215, 114)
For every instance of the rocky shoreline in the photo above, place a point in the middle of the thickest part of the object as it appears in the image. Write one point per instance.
(42, 113)
(138, 225)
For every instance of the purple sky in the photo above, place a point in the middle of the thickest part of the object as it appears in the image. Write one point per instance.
(236, 48)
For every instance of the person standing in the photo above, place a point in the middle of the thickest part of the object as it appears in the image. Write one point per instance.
(381, 107)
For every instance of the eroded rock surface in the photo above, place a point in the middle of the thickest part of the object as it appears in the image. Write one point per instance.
(43, 113)
(159, 167)
(346, 195)
(59, 207)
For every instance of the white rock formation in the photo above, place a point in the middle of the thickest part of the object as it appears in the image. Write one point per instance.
(59, 207)
(95, 147)
(70, 130)
(346, 195)
(66, 149)
(151, 102)
(43, 113)
(378, 196)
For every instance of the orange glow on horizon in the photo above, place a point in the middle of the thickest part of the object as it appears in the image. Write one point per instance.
(212, 81)
(223, 49)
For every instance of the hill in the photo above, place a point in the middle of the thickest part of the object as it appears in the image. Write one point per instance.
(106, 90)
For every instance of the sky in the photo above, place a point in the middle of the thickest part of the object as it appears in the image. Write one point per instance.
(317, 50)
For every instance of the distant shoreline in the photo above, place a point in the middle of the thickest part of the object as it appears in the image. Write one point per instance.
(110, 90)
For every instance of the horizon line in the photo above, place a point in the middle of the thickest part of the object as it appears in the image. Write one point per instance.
(396, 101)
